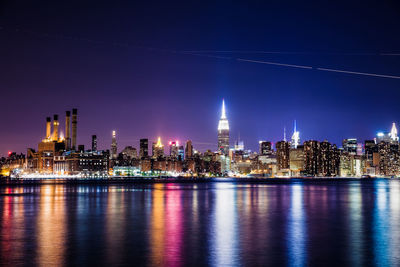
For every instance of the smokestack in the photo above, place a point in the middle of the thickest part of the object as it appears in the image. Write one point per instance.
(48, 127)
(55, 127)
(74, 122)
(67, 130)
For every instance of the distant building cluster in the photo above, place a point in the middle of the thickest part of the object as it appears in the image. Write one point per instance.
(60, 156)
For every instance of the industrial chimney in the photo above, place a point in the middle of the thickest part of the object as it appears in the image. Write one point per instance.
(48, 127)
(67, 130)
(55, 127)
(74, 122)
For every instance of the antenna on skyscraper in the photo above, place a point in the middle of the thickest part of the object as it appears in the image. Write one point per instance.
(284, 133)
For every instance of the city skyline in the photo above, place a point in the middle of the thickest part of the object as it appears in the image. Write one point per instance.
(293, 136)
(199, 133)
(127, 77)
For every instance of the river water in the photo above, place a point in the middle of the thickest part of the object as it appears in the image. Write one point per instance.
(297, 223)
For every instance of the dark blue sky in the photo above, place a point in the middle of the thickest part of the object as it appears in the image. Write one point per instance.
(56, 55)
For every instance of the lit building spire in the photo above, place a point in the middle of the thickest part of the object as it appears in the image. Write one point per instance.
(284, 133)
(223, 132)
(159, 144)
(393, 133)
(223, 114)
(295, 137)
(223, 122)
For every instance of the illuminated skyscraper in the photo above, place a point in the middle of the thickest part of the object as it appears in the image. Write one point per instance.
(74, 127)
(114, 146)
(188, 149)
(94, 143)
(158, 149)
(265, 148)
(282, 155)
(312, 157)
(223, 132)
(350, 145)
(174, 149)
(295, 137)
(393, 133)
(370, 148)
(239, 145)
(144, 148)
(181, 153)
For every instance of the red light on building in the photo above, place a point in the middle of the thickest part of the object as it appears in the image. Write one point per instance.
(9, 153)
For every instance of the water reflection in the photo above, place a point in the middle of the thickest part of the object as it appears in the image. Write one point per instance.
(394, 222)
(51, 225)
(115, 225)
(224, 243)
(355, 229)
(220, 224)
(157, 231)
(381, 227)
(173, 227)
(296, 239)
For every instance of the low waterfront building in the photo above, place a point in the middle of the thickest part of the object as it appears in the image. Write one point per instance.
(126, 171)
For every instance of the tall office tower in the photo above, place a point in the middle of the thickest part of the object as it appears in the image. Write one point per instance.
(94, 143)
(223, 132)
(67, 130)
(350, 145)
(158, 149)
(144, 148)
(335, 161)
(329, 159)
(239, 145)
(325, 154)
(173, 149)
(389, 159)
(360, 151)
(74, 125)
(312, 158)
(282, 155)
(181, 153)
(114, 152)
(188, 149)
(48, 128)
(393, 133)
(55, 127)
(370, 147)
(265, 148)
(295, 137)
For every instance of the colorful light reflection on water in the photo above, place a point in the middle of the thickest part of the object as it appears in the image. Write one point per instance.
(216, 224)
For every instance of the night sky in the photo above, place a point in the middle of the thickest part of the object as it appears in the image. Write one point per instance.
(126, 67)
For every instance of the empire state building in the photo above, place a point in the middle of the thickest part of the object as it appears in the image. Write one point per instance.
(223, 132)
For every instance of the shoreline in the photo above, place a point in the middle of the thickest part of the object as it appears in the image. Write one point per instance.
(136, 180)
